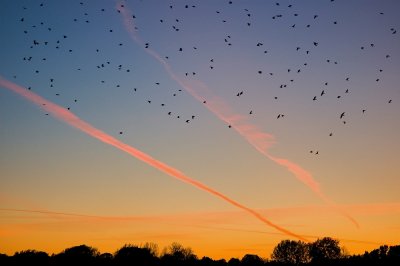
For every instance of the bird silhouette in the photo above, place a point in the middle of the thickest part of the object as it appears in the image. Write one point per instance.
(46, 43)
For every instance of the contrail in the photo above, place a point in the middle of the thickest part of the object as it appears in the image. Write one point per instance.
(53, 213)
(220, 216)
(78, 215)
(260, 140)
(74, 121)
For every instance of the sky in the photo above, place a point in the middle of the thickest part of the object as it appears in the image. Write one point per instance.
(226, 126)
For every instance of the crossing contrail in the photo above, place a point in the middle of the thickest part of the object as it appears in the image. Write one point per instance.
(260, 140)
(71, 119)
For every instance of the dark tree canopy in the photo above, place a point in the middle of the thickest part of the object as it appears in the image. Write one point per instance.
(291, 252)
(252, 260)
(325, 249)
(322, 252)
(31, 257)
(78, 255)
(80, 252)
(176, 254)
(129, 254)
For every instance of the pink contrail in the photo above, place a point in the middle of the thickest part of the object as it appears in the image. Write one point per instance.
(261, 141)
(74, 121)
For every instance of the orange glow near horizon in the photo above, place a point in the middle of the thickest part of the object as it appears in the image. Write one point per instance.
(202, 222)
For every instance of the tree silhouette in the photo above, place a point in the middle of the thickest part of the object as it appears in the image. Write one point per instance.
(322, 252)
(176, 255)
(207, 261)
(105, 259)
(291, 252)
(31, 257)
(379, 254)
(234, 262)
(4, 259)
(78, 255)
(134, 255)
(325, 249)
(394, 252)
(384, 255)
(252, 260)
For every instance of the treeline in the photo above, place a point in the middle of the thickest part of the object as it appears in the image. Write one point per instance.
(325, 251)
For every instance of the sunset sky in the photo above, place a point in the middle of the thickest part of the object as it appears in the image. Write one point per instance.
(226, 126)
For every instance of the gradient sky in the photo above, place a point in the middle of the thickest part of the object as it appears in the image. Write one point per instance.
(60, 187)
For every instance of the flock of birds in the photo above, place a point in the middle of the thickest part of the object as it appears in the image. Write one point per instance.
(36, 52)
